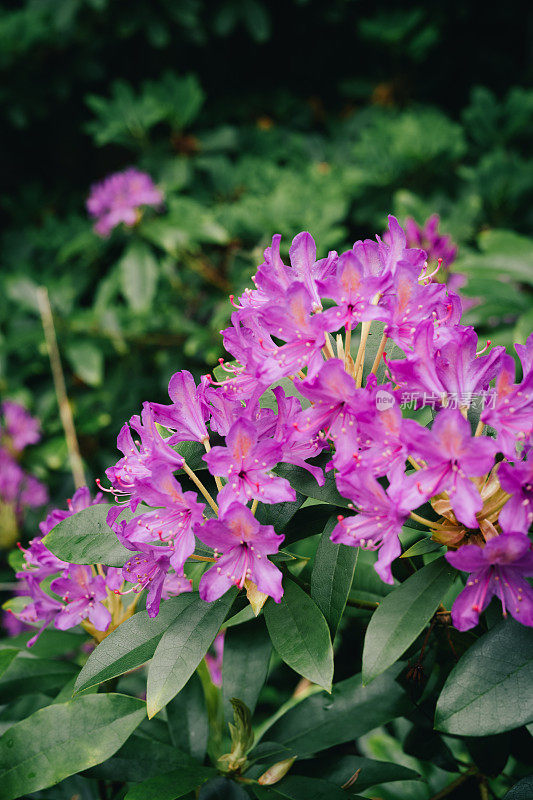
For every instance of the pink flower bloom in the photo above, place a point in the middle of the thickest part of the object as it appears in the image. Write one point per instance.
(511, 412)
(20, 427)
(82, 592)
(497, 570)
(437, 245)
(247, 464)
(245, 545)
(452, 456)
(119, 197)
(517, 479)
(188, 412)
(380, 516)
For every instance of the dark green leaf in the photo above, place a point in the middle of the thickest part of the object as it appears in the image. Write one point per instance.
(86, 538)
(300, 634)
(279, 514)
(247, 650)
(302, 481)
(422, 547)
(222, 789)
(63, 739)
(339, 769)
(298, 787)
(26, 674)
(332, 576)
(140, 758)
(182, 647)
(187, 719)
(172, 784)
(402, 615)
(322, 721)
(309, 521)
(7, 655)
(132, 643)
(489, 690)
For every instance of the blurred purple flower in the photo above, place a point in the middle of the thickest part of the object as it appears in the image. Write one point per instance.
(119, 197)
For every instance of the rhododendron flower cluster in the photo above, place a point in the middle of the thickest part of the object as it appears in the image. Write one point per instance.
(72, 594)
(119, 198)
(344, 410)
(18, 489)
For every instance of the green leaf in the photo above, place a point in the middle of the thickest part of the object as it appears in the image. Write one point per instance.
(63, 739)
(132, 643)
(422, 547)
(223, 789)
(300, 787)
(247, 650)
(7, 654)
(182, 647)
(339, 769)
(308, 521)
(87, 362)
(172, 784)
(402, 615)
(489, 690)
(187, 719)
(300, 635)
(86, 538)
(139, 271)
(141, 758)
(26, 674)
(322, 721)
(302, 481)
(332, 576)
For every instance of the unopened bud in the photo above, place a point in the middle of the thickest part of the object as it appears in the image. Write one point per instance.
(276, 772)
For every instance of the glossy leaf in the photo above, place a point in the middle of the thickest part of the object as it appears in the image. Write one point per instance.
(299, 787)
(187, 719)
(322, 721)
(402, 615)
(247, 650)
(339, 769)
(26, 674)
(489, 690)
(63, 739)
(300, 635)
(302, 481)
(131, 644)
(140, 758)
(332, 576)
(172, 784)
(223, 789)
(86, 538)
(181, 648)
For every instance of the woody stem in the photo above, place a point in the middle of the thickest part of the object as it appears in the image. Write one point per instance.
(207, 446)
(381, 350)
(194, 478)
(365, 330)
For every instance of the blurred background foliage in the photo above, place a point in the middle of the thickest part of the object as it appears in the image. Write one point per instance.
(253, 118)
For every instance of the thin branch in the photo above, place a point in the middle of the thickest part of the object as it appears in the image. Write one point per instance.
(65, 411)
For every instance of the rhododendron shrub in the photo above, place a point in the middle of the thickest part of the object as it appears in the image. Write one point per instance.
(355, 478)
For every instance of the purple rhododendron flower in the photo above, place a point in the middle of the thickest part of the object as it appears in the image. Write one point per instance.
(188, 412)
(511, 413)
(437, 245)
(517, 479)
(452, 456)
(82, 592)
(21, 428)
(381, 514)
(119, 197)
(497, 570)
(245, 545)
(247, 463)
